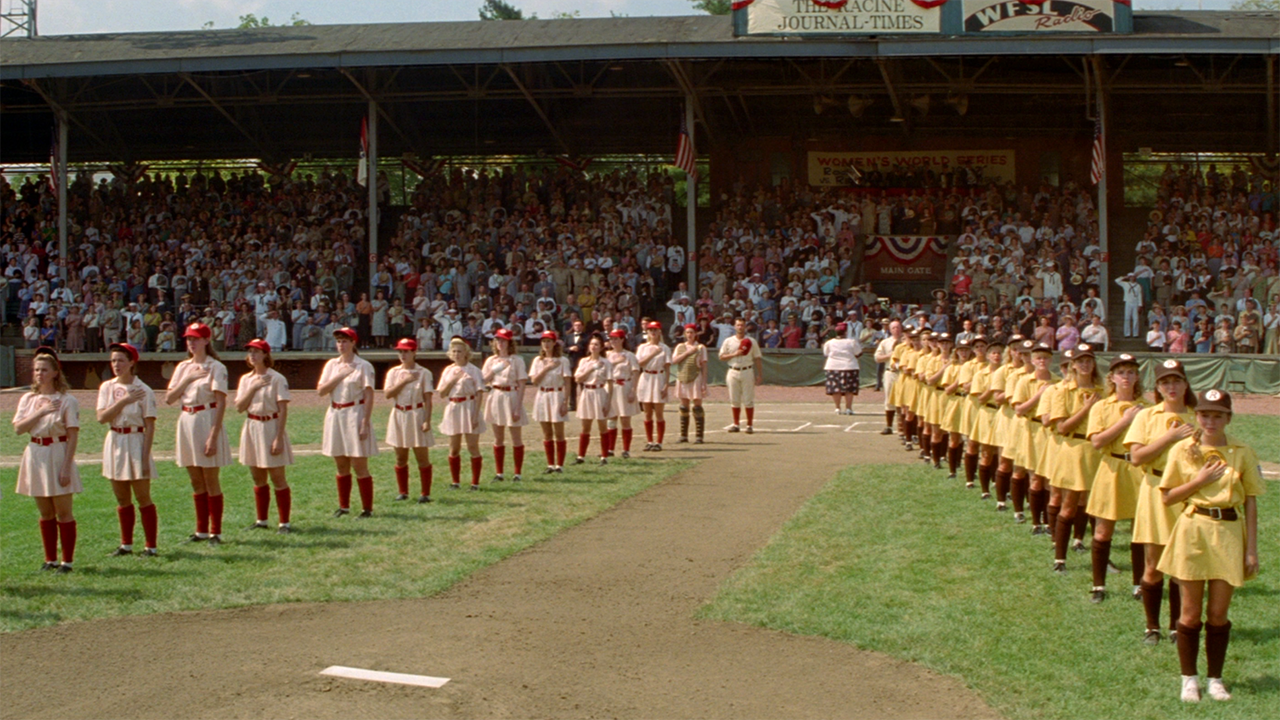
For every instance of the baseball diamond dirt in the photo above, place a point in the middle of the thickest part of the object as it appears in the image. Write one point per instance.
(598, 621)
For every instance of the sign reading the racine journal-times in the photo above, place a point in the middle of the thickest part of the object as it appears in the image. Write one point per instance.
(919, 17)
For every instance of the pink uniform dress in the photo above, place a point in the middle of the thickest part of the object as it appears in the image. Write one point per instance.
(626, 375)
(594, 378)
(262, 422)
(691, 382)
(44, 456)
(199, 408)
(549, 401)
(342, 419)
(122, 449)
(462, 412)
(504, 404)
(652, 385)
(404, 426)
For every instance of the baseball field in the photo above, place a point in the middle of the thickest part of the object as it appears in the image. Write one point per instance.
(812, 569)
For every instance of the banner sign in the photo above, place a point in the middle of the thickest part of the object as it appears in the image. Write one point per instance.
(852, 17)
(907, 258)
(1046, 16)
(837, 169)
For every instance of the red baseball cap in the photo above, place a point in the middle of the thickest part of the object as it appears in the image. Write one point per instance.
(407, 344)
(347, 333)
(550, 335)
(619, 333)
(198, 330)
(690, 326)
(653, 325)
(745, 345)
(260, 344)
(125, 348)
(503, 333)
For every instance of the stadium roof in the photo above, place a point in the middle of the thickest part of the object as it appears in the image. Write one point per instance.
(595, 86)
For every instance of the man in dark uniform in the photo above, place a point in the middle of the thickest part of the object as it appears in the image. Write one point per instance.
(575, 348)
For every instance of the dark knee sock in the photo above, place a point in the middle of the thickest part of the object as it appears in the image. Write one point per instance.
(1188, 639)
(1051, 514)
(1002, 484)
(985, 473)
(1216, 639)
(1036, 504)
(888, 419)
(970, 467)
(1061, 534)
(1019, 492)
(1101, 553)
(1152, 598)
(953, 461)
(1137, 557)
(1081, 522)
(1175, 603)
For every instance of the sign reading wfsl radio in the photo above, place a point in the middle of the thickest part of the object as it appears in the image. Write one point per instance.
(853, 17)
(1041, 17)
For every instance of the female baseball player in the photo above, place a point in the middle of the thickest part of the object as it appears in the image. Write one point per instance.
(910, 384)
(461, 386)
(690, 359)
(1115, 488)
(409, 386)
(929, 371)
(200, 384)
(1005, 380)
(624, 400)
(1049, 496)
(1075, 461)
(594, 378)
(983, 390)
(1154, 431)
(1218, 479)
(347, 381)
(48, 470)
(263, 395)
(654, 358)
(127, 406)
(1026, 429)
(968, 405)
(551, 407)
(504, 373)
(955, 391)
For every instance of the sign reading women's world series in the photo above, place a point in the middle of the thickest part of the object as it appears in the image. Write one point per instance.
(1043, 16)
(840, 17)
(835, 169)
(906, 258)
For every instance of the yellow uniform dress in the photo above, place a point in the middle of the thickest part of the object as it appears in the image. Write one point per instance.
(968, 401)
(906, 385)
(933, 393)
(982, 423)
(896, 361)
(1153, 521)
(1074, 462)
(1115, 487)
(1008, 422)
(921, 398)
(1045, 441)
(1025, 430)
(996, 381)
(951, 401)
(1200, 547)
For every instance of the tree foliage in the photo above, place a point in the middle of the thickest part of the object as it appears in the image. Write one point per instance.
(1257, 5)
(251, 21)
(501, 10)
(713, 7)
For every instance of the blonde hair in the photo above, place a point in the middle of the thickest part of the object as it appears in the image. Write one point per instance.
(60, 382)
(461, 345)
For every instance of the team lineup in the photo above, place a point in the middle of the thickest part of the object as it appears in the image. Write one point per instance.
(1079, 448)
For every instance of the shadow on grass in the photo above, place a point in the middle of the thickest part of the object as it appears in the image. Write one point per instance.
(1264, 685)
(39, 591)
(1257, 636)
(1256, 589)
(42, 618)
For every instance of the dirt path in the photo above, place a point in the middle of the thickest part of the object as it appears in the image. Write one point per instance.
(598, 621)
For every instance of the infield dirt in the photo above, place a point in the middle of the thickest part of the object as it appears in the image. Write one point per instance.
(598, 621)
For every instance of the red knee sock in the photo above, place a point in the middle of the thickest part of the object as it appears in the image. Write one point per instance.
(662, 428)
(366, 492)
(424, 479)
(127, 518)
(402, 479)
(500, 457)
(606, 443)
(455, 468)
(150, 525)
(648, 430)
(284, 504)
(202, 513)
(751, 416)
(584, 441)
(549, 447)
(344, 492)
(49, 538)
(215, 514)
(67, 535)
(477, 463)
(562, 451)
(737, 415)
(627, 433)
(262, 501)
(517, 452)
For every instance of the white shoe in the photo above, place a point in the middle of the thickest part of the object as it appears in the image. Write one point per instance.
(1190, 689)
(1217, 690)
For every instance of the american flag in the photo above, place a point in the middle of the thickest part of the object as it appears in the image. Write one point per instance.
(362, 173)
(53, 161)
(1099, 159)
(685, 159)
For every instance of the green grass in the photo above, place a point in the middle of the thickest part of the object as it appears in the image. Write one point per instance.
(901, 561)
(406, 550)
(1261, 432)
(305, 426)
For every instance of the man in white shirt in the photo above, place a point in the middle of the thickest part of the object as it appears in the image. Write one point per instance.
(1132, 305)
(276, 333)
(684, 312)
(884, 356)
(746, 370)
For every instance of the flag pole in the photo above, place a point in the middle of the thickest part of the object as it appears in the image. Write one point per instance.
(691, 232)
(1100, 107)
(371, 181)
(61, 170)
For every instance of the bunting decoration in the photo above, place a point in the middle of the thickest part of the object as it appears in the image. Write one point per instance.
(904, 249)
(424, 169)
(578, 165)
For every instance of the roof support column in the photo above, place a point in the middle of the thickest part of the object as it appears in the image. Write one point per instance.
(1101, 107)
(372, 186)
(691, 211)
(1273, 134)
(61, 172)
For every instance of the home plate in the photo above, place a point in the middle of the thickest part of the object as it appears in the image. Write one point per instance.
(385, 677)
